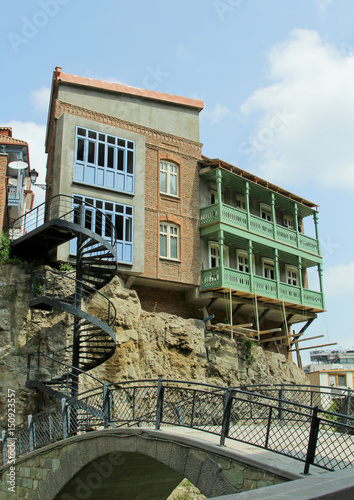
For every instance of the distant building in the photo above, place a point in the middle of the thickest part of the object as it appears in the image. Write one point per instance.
(190, 231)
(15, 187)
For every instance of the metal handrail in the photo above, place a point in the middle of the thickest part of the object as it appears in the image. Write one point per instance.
(264, 421)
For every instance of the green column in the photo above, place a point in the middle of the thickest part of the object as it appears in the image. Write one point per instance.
(273, 217)
(218, 190)
(250, 264)
(296, 222)
(276, 269)
(299, 267)
(315, 218)
(320, 275)
(221, 256)
(247, 200)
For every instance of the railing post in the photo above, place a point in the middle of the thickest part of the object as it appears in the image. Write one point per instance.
(281, 404)
(193, 406)
(311, 448)
(268, 426)
(159, 403)
(347, 405)
(4, 447)
(31, 432)
(64, 412)
(226, 416)
(105, 409)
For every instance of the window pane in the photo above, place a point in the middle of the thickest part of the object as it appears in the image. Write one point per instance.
(128, 230)
(131, 145)
(121, 142)
(108, 225)
(341, 380)
(173, 184)
(163, 245)
(130, 163)
(88, 219)
(173, 249)
(129, 211)
(120, 209)
(120, 165)
(91, 152)
(92, 134)
(111, 140)
(102, 137)
(98, 224)
(110, 157)
(119, 227)
(81, 131)
(80, 150)
(163, 182)
(101, 148)
(109, 206)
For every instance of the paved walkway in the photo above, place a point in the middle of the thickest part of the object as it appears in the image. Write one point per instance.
(264, 458)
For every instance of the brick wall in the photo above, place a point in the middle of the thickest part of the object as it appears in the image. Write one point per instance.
(182, 211)
(3, 165)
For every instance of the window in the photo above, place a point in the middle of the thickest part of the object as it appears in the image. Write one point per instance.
(268, 269)
(243, 261)
(214, 196)
(337, 379)
(214, 255)
(266, 212)
(288, 221)
(104, 160)
(117, 215)
(292, 275)
(169, 178)
(240, 201)
(169, 241)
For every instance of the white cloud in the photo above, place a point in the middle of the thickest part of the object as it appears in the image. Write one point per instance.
(40, 99)
(307, 114)
(339, 280)
(324, 4)
(217, 114)
(34, 134)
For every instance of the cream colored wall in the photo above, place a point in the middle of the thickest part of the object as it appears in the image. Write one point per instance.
(63, 179)
(165, 117)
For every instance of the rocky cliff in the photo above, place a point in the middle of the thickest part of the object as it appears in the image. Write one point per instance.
(148, 345)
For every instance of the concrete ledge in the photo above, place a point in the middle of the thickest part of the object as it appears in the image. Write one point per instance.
(337, 485)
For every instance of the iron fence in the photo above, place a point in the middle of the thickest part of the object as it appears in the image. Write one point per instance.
(311, 434)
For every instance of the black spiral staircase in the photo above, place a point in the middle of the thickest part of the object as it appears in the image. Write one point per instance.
(76, 292)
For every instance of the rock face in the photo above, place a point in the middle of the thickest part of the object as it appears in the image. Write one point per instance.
(148, 346)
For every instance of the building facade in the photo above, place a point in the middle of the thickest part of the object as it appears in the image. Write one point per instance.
(16, 196)
(189, 230)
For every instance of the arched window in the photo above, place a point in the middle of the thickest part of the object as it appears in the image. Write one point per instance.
(169, 178)
(169, 240)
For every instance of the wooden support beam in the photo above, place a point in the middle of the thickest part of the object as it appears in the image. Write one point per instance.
(295, 341)
(313, 347)
(272, 330)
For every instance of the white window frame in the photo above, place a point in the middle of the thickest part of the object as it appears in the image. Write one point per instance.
(169, 170)
(213, 248)
(244, 255)
(171, 232)
(214, 194)
(241, 201)
(292, 280)
(288, 221)
(268, 267)
(267, 211)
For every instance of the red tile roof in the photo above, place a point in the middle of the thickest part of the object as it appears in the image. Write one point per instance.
(11, 140)
(125, 89)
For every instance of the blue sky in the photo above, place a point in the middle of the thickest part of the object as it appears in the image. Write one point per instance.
(276, 77)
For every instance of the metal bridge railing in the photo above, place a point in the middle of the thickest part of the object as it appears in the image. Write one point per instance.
(307, 433)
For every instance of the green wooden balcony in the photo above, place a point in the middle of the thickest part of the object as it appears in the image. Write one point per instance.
(225, 278)
(242, 220)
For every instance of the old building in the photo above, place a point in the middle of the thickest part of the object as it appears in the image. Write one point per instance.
(15, 186)
(192, 233)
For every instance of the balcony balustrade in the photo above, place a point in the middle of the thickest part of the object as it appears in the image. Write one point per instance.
(239, 281)
(239, 219)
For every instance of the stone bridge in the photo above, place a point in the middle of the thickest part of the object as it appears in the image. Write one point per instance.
(135, 463)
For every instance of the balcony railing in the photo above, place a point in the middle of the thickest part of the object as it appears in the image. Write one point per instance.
(238, 218)
(240, 281)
